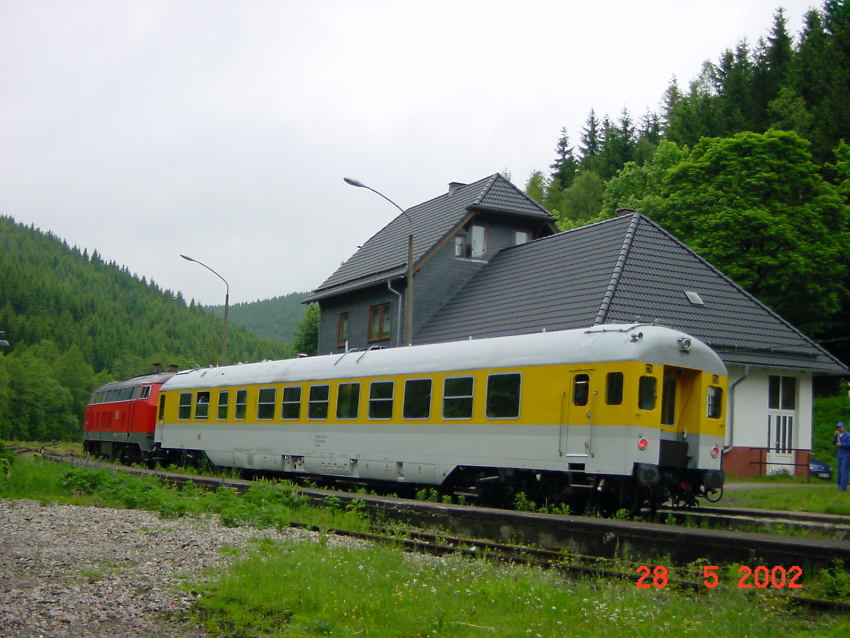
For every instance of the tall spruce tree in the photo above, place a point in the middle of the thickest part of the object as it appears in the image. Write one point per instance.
(565, 166)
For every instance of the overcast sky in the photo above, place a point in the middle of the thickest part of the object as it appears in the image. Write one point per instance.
(223, 129)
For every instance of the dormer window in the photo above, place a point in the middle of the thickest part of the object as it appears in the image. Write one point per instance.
(479, 242)
(460, 245)
(521, 237)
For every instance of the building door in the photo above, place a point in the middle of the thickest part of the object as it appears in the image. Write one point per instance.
(781, 422)
(577, 404)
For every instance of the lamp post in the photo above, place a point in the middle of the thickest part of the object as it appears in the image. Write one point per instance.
(226, 305)
(408, 298)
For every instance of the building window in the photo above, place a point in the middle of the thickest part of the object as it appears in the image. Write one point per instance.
(782, 393)
(202, 405)
(318, 402)
(479, 242)
(503, 396)
(223, 399)
(614, 388)
(342, 330)
(347, 400)
(457, 398)
(417, 399)
(379, 322)
(291, 407)
(266, 401)
(241, 404)
(459, 246)
(521, 237)
(381, 400)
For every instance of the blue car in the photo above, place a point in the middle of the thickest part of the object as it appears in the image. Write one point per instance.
(820, 470)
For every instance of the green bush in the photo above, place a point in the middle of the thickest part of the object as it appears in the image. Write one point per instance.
(825, 414)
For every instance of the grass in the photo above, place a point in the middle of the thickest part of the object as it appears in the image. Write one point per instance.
(794, 494)
(316, 589)
(264, 505)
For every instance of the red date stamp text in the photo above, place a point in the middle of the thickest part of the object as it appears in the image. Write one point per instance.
(760, 577)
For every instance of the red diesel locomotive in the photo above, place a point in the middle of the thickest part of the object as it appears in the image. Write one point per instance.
(121, 417)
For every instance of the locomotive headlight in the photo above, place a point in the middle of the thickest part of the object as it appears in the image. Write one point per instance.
(714, 452)
(685, 344)
(642, 443)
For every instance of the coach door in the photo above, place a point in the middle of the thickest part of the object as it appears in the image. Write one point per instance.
(577, 403)
(680, 413)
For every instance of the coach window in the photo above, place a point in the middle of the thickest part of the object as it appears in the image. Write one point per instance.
(145, 393)
(342, 329)
(241, 404)
(291, 407)
(379, 322)
(266, 402)
(668, 401)
(381, 399)
(185, 409)
(202, 405)
(714, 402)
(347, 400)
(646, 393)
(581, 389)
(417, 399)
(318, 402)
(223, 399)
(503, 395)
(614, 388)
(457, 398)
(161, 406)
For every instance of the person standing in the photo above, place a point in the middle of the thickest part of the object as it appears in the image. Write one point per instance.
(841, 441)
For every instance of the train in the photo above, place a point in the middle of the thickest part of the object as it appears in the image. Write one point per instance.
(614, 416)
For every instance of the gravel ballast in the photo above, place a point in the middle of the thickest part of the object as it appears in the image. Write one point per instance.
(96, 572)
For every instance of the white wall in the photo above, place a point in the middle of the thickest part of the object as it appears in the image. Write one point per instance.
(748, 401)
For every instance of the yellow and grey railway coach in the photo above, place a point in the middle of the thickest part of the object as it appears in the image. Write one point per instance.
(629, 414)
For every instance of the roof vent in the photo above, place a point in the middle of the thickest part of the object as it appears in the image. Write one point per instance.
(694, 298)
(453, 186)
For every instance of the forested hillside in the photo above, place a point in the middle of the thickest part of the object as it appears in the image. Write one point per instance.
(74, 321)
(749, 166)
(277, 318)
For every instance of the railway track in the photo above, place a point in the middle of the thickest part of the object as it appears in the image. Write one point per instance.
(648, 554)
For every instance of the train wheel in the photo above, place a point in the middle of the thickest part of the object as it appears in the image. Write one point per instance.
(632, 498)
(714, 495)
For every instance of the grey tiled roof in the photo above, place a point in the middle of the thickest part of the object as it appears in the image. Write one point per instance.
(619, 271)
(384, 256)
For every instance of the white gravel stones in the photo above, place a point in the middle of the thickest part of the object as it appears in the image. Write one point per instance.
(70, 571)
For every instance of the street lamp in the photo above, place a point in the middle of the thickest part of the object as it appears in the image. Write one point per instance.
(226, 305)
(408, 298)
